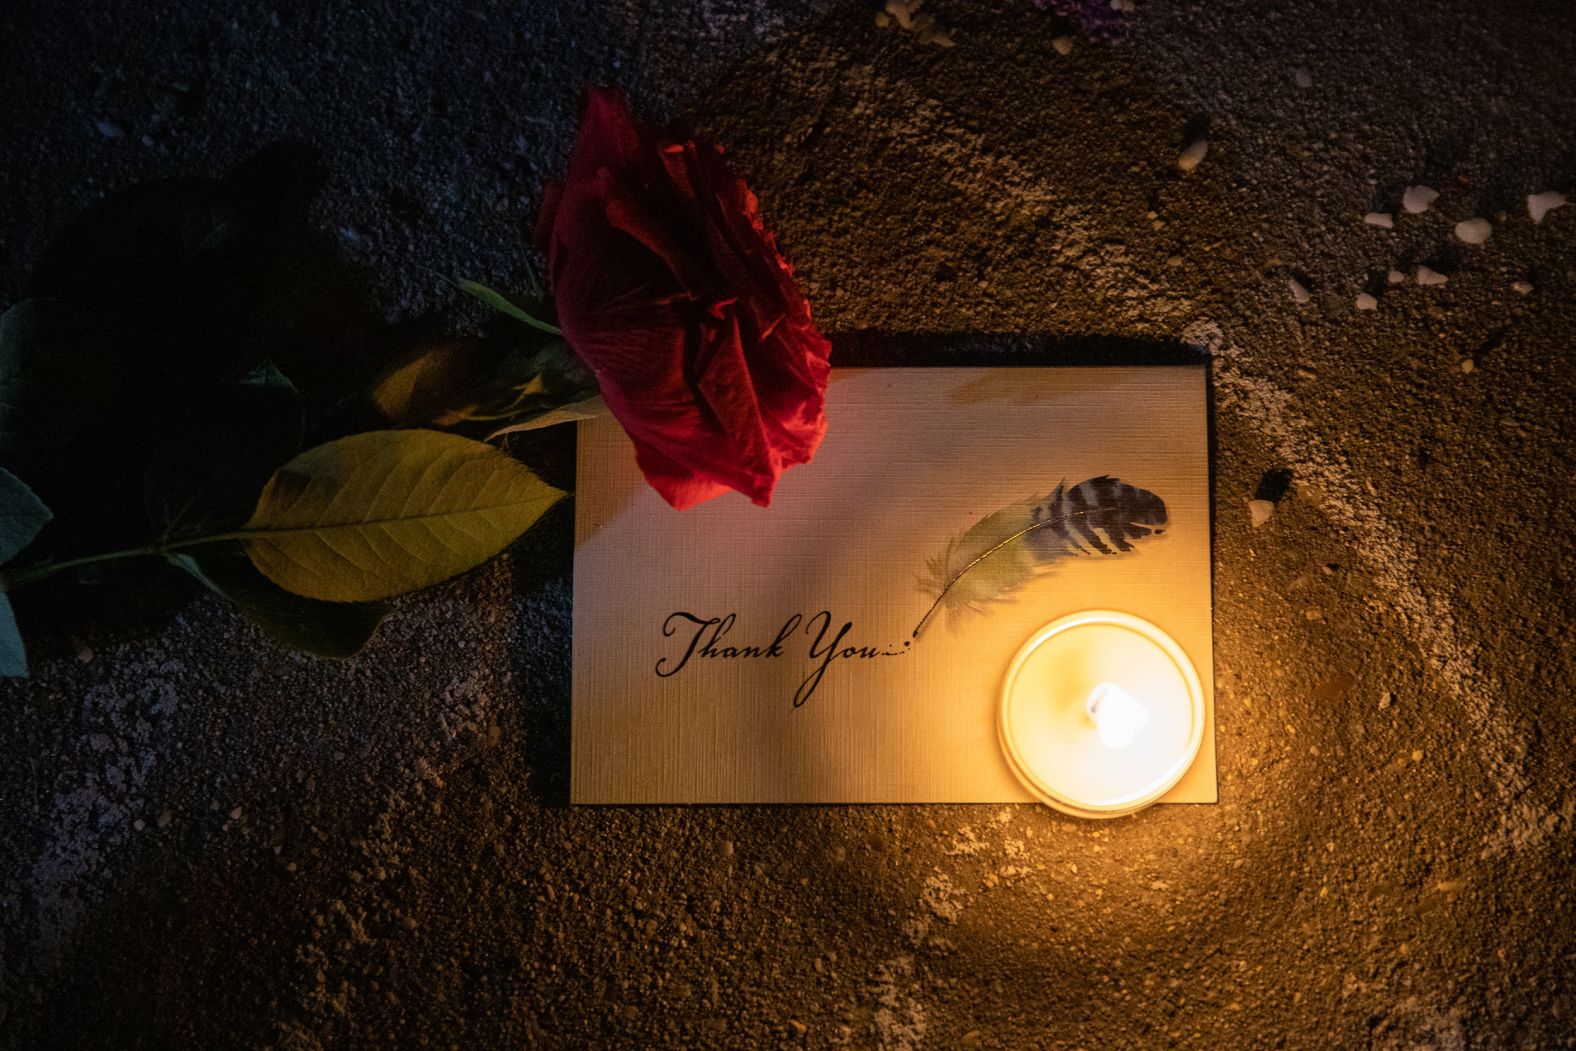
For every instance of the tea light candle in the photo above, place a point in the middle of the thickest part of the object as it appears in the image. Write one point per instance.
(1101, 713)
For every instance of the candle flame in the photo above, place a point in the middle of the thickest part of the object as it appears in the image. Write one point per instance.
(1117, 715)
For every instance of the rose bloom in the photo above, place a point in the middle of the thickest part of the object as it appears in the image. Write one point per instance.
(671, 290)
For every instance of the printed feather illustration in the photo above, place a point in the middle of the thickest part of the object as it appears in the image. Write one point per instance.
(990, 561)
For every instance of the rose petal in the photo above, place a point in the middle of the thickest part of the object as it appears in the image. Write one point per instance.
(608, 137)
(626, 215)
(727, 388)
(675, 483)
(670, 288)
(552, 194)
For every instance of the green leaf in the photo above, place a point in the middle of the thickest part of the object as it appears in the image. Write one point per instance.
(13, 655)
(501, 303)
(208, 467)
(474, 387)
(588, 409)
(551, 381)
(386, 512)
(266, 375)
(58, 373)
(323, 629)
(22, 515)
(436, 384)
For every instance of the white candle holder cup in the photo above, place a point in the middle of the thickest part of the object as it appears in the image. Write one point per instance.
(1101, 714)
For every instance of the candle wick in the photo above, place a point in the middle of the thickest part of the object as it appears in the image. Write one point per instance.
(1117, 715)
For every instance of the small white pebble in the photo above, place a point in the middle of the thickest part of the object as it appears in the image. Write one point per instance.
(1298, 293)
(1474, 231)
(1386, 699)
(1367, 302)
(235, 814)
(1062, 45)
(883, 19)
(1541, 204)
(1468, 366)
(1302, 78)
(1384, 219)
(1190, 157)
(925, 28)
(1259, 511)
(1416, 199)
(139, 824)
(1395, 277)
(1521, 288)
(1426, 276)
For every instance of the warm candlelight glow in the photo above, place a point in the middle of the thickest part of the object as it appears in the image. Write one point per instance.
(1072, 723)
(1117, 715)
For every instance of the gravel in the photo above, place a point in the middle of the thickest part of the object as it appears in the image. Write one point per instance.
(1541, 204)
(1474, 231)
(1193, 156)
(1417, 199)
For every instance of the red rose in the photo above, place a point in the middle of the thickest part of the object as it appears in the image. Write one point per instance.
(671, 290)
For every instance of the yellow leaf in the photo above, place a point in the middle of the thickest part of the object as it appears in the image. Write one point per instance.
(428, 382)
(386, 512)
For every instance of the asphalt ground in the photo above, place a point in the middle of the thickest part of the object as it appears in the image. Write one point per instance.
(209, 841)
